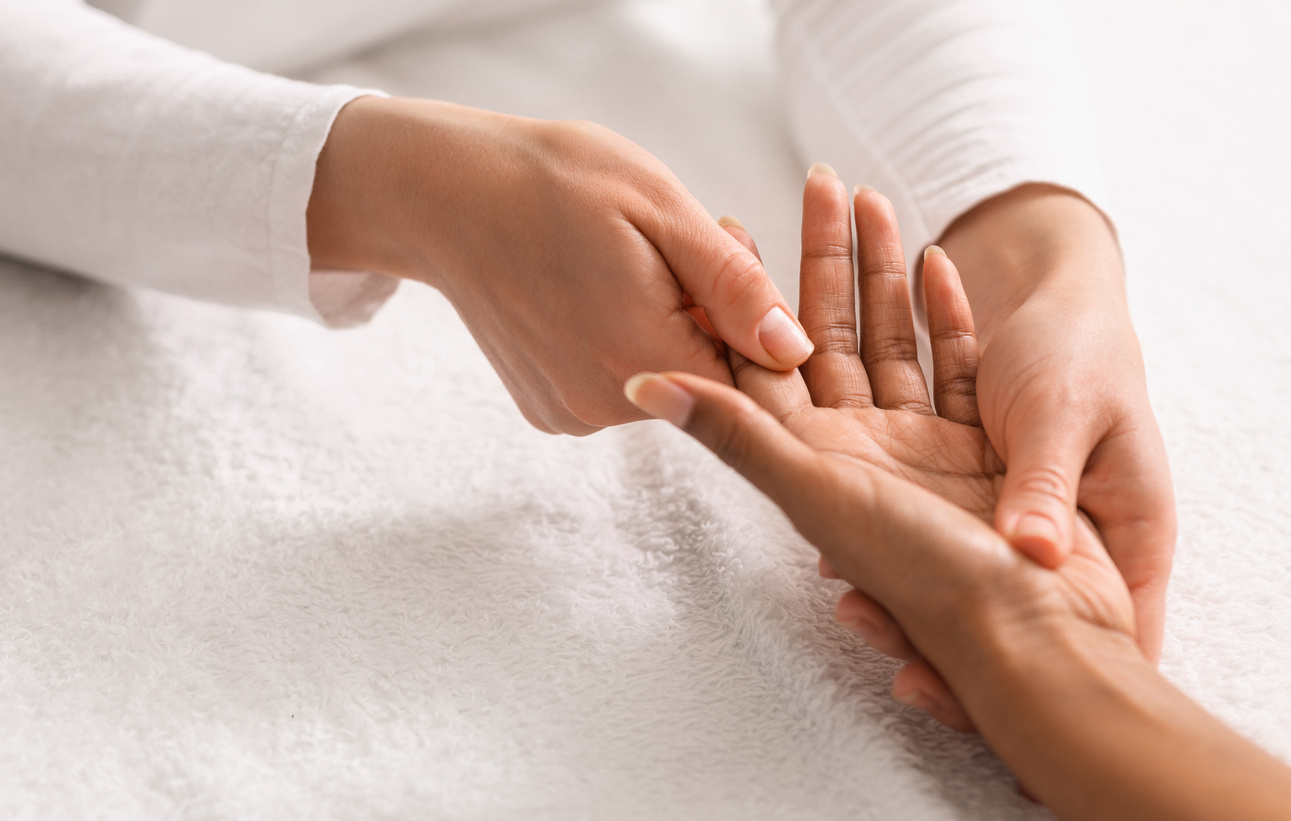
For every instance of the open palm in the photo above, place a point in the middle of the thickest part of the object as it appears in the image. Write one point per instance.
(862, 398)
(862, 394)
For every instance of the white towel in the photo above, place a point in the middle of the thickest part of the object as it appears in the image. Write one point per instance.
(253, 569)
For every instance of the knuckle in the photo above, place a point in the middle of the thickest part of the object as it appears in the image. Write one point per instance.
(952, 336)
(1044, 481)
(828, 251)
(586, 415)
(739, 279)
(739, 366)
(732, 439)
(960, 385)
(882, 261)
(885, 347)
(834, 338)
(537, 420)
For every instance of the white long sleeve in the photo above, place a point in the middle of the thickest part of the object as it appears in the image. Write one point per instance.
(940, 104)
(132, 160)
(280, 35)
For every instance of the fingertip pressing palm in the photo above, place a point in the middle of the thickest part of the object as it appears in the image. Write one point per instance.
(862, 395)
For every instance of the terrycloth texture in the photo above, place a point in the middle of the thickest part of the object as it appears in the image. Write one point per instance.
(253, 569)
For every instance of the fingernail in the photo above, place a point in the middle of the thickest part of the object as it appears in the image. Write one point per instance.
(821, 168)
(826, 569)
(660, 397)
(727, 221)
(1033, 527)
(864, 628)
(861, 189)
(933, 250)
(783, 339)
(913, 698)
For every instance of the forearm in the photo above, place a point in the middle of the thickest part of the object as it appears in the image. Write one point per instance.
(1035, 241)
(1093, 730)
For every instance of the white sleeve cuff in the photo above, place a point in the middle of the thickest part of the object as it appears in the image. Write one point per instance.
(345, 299)
(939, 104)
(337, 299)
(138, 162)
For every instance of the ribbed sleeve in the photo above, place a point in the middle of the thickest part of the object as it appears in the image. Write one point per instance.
(129, 159)
(940, 104)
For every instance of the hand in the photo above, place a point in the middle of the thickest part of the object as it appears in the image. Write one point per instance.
(841, 447)
(575, 258)
(864, 398)
(1042, 660)
(1061, 389)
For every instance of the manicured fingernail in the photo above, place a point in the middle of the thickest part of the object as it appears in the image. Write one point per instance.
(727, 221)
(861, 189)
(783, 339)
(821, 168)
(1034, 528)
(660, 397)
(933, 250)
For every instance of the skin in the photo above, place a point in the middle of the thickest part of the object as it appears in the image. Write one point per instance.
(574, 256)
(577, 259)
(1043, 661)
(1061, 388)
(862, 394)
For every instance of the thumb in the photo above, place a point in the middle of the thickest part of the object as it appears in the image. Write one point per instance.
(729, 282)
(1037, 507)
(733, 426)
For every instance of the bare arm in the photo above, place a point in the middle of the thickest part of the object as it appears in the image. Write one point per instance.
(1072, 706)
(1096, 732)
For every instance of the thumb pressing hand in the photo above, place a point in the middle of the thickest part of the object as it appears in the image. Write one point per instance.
(730, 284)
(1037, 506)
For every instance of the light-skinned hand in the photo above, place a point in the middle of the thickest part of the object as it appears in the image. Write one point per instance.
(575, 258)
(1061, 388)
(1044, 661)
(863, 397)
(851, 449)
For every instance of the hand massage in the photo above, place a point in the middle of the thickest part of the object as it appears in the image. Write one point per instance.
(263, 566)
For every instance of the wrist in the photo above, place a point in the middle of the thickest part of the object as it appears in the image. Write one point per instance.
(344, 221)
(389, 178)
(1034, 241)
(1093, 730)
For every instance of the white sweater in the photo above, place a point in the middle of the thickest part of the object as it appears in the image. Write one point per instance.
(134, 160)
